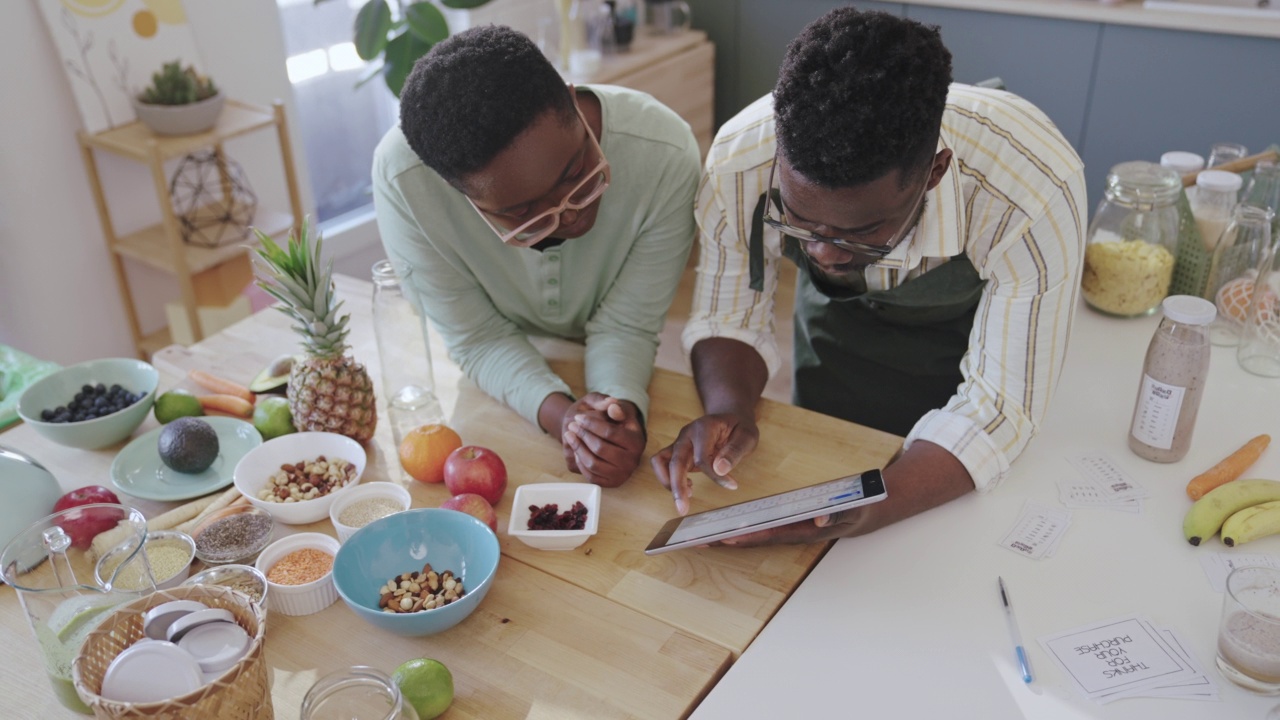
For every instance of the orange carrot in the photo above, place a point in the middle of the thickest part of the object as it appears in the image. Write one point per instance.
(1232, 467)
(229, 404)
(220, 386)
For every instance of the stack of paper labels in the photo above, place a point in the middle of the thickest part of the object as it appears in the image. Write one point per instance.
(1038, 531)
(1129, 657)
(1101, 483)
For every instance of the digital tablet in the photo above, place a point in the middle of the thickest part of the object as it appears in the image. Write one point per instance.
(771, 511)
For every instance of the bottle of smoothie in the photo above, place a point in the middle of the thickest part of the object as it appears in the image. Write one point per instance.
(1173, 379)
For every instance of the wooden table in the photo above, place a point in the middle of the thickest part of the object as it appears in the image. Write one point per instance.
(600, 631)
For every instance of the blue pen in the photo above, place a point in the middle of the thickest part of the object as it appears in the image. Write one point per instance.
(1024, 663)
(840, 497)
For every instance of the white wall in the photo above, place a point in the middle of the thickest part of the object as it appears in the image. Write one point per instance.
(58, 295)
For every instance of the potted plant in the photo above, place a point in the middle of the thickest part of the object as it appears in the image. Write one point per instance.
(399, 41)
(179, 101)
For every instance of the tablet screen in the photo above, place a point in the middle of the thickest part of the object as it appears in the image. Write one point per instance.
(767, 509)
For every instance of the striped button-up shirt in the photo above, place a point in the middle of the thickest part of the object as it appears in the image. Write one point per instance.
(1012, 200)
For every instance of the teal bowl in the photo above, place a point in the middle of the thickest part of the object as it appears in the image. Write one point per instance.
(61, 387)
(403, 542)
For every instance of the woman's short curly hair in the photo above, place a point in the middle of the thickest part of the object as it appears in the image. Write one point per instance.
(860, 94)
(470, 97)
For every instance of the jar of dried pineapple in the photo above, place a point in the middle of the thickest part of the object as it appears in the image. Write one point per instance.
(1133, 240)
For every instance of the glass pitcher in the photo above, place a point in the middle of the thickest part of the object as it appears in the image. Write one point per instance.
(404, 354)
(356, 693)
(52, 568)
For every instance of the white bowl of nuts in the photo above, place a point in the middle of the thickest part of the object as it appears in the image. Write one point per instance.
(371, 501)
(297, 477)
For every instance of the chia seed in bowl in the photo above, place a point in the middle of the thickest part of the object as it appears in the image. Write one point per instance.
(233, 535)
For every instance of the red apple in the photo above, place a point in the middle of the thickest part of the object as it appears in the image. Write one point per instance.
(473, 469)
(475, 506)
(85, 528)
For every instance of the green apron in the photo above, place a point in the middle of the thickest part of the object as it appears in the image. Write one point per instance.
(881, 359)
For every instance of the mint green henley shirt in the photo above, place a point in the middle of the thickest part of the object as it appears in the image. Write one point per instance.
(610, 288)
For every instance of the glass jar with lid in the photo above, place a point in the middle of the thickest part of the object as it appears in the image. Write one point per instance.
(356, 693)
(1133, 240)
(1212, 201)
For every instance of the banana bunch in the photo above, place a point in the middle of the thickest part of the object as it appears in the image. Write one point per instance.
(1243, 510)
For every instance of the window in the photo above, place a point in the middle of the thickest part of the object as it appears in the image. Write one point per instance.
(339, 124)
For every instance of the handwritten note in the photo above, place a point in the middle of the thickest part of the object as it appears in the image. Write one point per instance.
(1128, 657)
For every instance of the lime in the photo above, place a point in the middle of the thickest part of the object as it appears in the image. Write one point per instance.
(427, 684)
(175, 404)
(271, 417)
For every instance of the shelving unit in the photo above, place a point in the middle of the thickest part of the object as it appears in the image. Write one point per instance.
(161, 246)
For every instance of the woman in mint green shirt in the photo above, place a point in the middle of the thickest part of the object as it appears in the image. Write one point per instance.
(513, 205)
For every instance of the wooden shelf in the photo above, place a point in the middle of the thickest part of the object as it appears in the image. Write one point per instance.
(151, 246)
(135, 139)
(150, 344)
(204, 274)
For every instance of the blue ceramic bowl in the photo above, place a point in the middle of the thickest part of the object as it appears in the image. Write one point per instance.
(61, 387)
(403, 542)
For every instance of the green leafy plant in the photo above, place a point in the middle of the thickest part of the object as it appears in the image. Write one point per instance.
(175, 85)
(399, 40)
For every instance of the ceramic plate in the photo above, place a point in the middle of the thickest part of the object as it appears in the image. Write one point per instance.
(138, 471)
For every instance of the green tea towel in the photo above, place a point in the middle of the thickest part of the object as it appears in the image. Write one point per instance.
(18, 370)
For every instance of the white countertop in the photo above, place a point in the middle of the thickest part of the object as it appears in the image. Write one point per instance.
(906, 622)
(1130, 12)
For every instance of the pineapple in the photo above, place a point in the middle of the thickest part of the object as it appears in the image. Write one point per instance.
(328, 390)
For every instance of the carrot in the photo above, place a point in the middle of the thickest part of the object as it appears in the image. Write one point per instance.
(1232, 467)
(229, 404)
(220, 386)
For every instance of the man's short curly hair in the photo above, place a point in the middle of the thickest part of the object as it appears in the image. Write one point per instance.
(859, 95)
(470, 97)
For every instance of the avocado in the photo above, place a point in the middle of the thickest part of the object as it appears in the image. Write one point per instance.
(274, 378)
(188, 445)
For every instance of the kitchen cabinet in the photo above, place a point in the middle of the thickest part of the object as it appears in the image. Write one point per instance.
(1121, 82)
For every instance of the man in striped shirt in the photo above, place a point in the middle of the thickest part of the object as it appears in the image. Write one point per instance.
(938, 231)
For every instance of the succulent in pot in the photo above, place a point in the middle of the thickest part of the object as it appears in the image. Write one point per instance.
(179, 101)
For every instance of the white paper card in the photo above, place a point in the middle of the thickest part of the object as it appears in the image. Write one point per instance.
(1084, 494)
(1113, 655)
(1038, 531)
(1107, 476)
(1217, 566)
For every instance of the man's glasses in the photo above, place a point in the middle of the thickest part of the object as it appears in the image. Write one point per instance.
(799, 233)
(587, 191)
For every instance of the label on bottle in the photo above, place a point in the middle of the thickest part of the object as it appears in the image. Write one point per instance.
(1156, 418)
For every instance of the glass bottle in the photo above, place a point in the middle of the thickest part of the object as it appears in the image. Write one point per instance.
(1173, 377)
(1225, 152)
(1264, 191)
(356, 693)
(1259, 349)
(403, 352)
(1133, 240)
(1233, 269)
(1212, 201)
(1182, 162)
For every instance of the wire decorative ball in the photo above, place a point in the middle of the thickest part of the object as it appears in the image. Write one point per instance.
(212, 199)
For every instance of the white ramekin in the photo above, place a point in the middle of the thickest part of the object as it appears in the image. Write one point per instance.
(380, 489)
(303, 599)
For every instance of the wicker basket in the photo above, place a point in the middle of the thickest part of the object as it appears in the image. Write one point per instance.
(241, 693)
